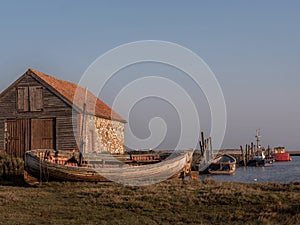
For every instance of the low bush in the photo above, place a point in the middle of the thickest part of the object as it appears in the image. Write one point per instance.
(11, 166)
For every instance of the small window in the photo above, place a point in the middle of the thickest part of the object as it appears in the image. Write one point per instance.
(36, 98)
(29, 99)
(22, 99)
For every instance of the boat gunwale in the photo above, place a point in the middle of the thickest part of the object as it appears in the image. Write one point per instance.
(66, 172)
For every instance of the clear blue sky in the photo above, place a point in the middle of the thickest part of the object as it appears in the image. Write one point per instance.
(253, 47)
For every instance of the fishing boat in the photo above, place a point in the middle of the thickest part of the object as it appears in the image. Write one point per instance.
(281, 155)
(223, 164)
(259, 157)
(47, 164)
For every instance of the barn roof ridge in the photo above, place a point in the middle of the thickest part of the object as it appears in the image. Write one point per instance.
(67, 90)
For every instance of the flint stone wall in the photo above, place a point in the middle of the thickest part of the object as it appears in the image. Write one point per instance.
(103, 135)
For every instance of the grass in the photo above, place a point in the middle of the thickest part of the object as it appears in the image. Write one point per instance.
(170, 202)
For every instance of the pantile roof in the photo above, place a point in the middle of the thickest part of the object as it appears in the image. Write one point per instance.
(94, 106)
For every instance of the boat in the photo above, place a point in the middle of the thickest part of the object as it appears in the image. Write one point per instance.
(259, 159)
(48, 164)
(281, 155)
(223, 164)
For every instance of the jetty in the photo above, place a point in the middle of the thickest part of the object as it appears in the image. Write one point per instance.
(238, 155)
(295, 153)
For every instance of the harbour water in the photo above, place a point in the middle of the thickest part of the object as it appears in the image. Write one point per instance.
(284, 172)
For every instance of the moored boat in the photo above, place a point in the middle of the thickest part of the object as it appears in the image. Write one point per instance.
(259, 159)
(281, 155)
(72, 166)
(223, 164)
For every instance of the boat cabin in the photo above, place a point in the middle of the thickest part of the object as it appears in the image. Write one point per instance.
(279, 149)
(259, 155)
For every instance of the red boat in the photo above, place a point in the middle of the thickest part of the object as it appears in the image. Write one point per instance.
(281, 155)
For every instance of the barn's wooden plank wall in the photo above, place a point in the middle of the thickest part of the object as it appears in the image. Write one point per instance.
(53, 107)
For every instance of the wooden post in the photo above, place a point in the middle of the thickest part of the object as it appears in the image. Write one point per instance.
(207, 150)
(207, 144)
(241, 148)
(202, 140)
(201, 148)
(247, 154)
(243, 156)
(40, 157)
(211, 148)
(82, 138)
(252, 150)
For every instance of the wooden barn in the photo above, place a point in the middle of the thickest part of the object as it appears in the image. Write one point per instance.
(40, 111)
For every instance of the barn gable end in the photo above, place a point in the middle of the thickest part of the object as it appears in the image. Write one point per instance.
(37, 111)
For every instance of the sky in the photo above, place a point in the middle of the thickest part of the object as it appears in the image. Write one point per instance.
(252, 47)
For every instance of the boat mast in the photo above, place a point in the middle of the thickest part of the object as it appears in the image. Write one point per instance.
(258, 139)
(83, 123)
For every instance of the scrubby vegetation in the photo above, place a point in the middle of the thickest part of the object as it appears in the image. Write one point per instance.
(10, 167)
(170, 202)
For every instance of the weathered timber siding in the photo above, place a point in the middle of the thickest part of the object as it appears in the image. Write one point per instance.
(41, 105)
(53, 107)
(65, 134)
(1, 134)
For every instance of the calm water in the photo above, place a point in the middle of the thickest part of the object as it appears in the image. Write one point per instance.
(280, 172)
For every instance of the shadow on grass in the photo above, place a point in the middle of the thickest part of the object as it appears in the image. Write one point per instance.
(15, 181)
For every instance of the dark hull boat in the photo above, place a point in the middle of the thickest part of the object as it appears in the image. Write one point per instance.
(260, 162)
(260, 159)
(71, 166)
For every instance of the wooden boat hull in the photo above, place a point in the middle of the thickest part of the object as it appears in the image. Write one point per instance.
(222, 165)
(47, 170)
(220, 172)
(50, 169)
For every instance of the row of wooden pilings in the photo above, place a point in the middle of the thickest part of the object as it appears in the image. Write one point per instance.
(205, 147)
(249, 152)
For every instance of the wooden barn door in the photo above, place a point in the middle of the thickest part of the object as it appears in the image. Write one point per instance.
(42, 134)
(24, 134)
(17, 136)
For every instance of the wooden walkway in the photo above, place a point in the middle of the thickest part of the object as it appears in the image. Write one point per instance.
(238, 152)
(294, 153)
